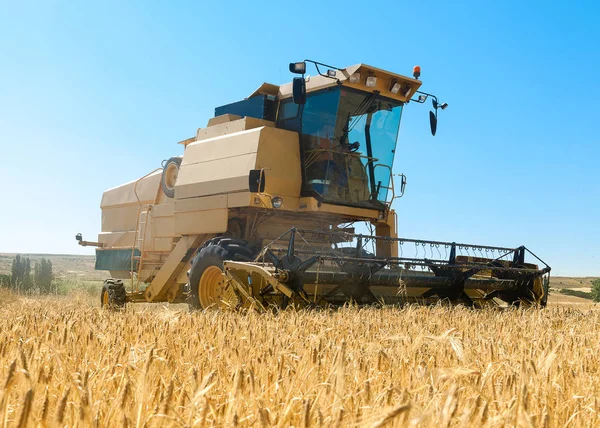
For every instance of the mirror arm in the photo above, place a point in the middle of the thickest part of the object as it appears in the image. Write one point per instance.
(432, 115)
(317, 64)
(424, 93)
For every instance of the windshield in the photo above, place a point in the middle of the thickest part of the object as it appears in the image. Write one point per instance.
(348, 140)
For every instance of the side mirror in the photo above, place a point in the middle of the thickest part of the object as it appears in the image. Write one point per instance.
(432, 122)
(403, 185)
(299, 90)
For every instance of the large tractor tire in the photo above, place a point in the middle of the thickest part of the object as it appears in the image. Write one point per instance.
(169, 176)
(208, 288)
(113, 295)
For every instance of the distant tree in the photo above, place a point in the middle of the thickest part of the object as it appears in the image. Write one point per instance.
(27, 282)
(20, 278)
(596, 290)
(43, 275)
(36, 273)
(15, 271)
(48, 276)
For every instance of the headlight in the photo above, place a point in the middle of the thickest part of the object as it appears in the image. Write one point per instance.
(355, 78)
(277, 202)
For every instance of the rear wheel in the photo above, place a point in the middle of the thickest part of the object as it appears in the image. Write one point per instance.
(208, 287)
(113, 295)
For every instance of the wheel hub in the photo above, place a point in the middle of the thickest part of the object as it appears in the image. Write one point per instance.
(215, 291)
(171, 176)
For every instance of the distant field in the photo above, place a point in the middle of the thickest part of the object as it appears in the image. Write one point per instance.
(63, 265)
(571, 285)
(574, 282)
(72, 272)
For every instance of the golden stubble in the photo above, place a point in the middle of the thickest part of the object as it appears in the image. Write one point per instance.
(68, 363)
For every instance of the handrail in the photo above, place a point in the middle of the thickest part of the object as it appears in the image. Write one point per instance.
(315, 152)
(138, 180)
(342, 152)
(391, 187)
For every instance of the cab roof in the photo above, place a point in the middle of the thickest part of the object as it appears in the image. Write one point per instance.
(384, 83)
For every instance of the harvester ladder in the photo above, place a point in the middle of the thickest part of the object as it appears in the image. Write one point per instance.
(135, 285)
(139, 242)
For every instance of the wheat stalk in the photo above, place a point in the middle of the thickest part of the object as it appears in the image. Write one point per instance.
(159, 366)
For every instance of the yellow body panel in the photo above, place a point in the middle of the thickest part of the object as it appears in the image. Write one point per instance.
(197, 222)
(176, 262)
(142, 191)
(220, 165)
(312, 205)
(229, 124)
(116, 239)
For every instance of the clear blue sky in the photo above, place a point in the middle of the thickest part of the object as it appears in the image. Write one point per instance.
(94, 95)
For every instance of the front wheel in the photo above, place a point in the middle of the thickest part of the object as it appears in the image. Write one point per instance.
(208, 287)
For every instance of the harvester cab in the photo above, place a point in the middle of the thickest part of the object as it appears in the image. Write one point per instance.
(348, 129)
(260, 209)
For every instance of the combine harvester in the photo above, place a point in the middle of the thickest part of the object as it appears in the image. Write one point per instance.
(259, 211)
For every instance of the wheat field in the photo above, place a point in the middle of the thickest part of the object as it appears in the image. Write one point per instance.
(65, 362)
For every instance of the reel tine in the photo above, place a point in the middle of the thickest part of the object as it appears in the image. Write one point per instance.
(273, 258)
(307, 263)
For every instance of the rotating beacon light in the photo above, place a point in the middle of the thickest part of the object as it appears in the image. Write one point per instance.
(417, 71)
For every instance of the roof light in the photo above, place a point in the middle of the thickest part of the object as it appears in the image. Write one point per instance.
(422, 98)
(355, 78)
(407, 92)
(395, 87)
(371, 81)
(443, 106)
(416, 71)
(330, 73)
(298, 67)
